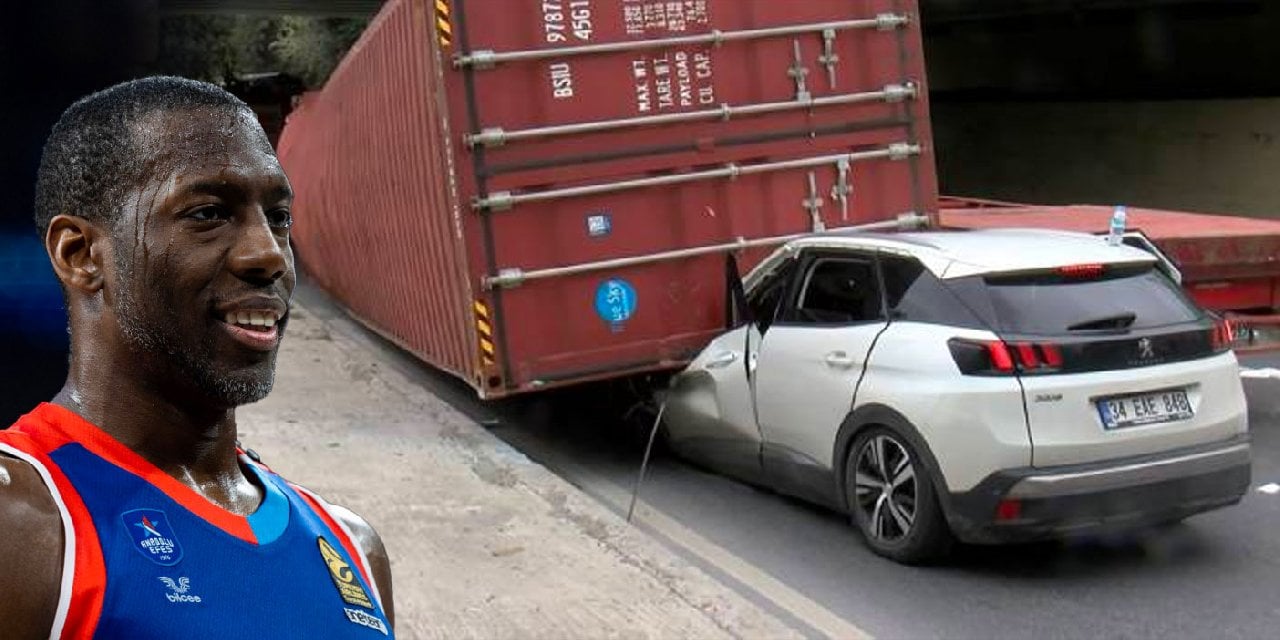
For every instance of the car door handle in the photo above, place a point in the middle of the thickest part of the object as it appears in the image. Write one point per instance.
(722, 360)
(840, 360)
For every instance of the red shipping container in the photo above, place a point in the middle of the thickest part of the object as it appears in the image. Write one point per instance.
(533, 194)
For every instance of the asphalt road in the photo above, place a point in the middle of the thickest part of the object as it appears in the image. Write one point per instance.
(1215, 576)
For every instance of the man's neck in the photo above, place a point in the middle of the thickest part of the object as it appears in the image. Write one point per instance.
(178, 438)
(190, 439)
(197, 448)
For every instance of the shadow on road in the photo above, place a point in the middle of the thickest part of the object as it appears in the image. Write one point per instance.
(1093, 557)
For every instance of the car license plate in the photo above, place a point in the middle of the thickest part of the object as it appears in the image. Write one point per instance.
(1145, 408)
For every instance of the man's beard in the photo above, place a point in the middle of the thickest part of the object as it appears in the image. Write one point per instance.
(194, 363)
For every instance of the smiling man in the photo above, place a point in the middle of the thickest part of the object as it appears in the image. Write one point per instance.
(126, 506)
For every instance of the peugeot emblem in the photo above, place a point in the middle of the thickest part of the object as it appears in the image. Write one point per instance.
(1145, 350)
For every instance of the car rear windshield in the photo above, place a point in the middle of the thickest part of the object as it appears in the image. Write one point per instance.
(1055, 305)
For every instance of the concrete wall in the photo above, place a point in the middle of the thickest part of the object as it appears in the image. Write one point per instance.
(1208, 49)
(1168, 104)
(1198, 155)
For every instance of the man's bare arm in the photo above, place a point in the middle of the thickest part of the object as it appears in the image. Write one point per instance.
(380, 564)
(31, 549)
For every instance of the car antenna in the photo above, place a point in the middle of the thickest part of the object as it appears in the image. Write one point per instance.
(644, 465)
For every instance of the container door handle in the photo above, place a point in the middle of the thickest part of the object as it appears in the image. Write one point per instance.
(840, 360)
(829, 58)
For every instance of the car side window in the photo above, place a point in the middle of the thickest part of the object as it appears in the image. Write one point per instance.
(837, 291)
(766, 298)
(899, 274)
(916, 295)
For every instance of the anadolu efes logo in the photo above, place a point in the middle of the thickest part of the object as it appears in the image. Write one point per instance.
(152, 536)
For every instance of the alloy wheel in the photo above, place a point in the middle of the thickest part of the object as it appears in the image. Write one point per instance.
(886, 489)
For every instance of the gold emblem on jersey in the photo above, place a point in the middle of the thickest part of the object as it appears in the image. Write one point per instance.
(344, 578)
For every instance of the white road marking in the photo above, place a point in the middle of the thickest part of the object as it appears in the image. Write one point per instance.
(1270, 489)
(786, 598)
(1267, 372)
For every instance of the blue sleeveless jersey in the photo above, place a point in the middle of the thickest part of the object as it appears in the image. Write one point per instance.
(148, 558)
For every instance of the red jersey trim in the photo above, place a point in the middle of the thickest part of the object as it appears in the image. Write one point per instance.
(84, 576)
(63, 426)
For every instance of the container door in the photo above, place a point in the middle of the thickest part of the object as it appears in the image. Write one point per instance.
(615, 149)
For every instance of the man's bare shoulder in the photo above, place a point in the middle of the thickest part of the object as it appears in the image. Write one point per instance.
(31, 551)
(371, 544)
(27, 505)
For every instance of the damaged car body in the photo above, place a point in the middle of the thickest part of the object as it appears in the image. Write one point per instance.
(987, 386)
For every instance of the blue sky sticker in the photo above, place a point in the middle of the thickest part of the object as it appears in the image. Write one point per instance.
(152, 536)
(616, 301)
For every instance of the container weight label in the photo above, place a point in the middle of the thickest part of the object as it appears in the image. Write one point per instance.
(678, 80)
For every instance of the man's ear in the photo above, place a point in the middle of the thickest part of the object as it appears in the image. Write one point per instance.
(75, 249)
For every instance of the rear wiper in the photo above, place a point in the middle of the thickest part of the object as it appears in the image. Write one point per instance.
(1117, 321)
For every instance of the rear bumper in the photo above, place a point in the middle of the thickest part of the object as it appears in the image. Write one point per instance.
(1114, 495)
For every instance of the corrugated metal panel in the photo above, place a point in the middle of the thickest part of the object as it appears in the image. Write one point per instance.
(841, 77)
(374, 211)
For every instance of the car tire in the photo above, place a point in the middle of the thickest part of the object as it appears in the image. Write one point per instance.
(898, 511)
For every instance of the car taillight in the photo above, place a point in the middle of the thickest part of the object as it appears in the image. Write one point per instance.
(1052, 355)
(1001, 360)
(1027, 355)
(996, 357)
(1082, 271)
(1222, 336)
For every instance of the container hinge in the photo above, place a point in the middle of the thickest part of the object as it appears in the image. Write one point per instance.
(898, 92)
(829, 58)
(890, 21)
(798, 71)
(488, 137)
(506, 279)
(903, 150)
(499, 201)
(813, 204)
(482, 59)
(843, 188)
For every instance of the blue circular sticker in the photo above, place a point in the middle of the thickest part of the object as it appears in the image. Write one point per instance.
(616, 301)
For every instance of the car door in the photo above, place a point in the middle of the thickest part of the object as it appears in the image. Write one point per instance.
(810, 363)
(710, 411)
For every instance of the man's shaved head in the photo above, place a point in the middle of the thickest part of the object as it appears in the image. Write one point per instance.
(94, 156)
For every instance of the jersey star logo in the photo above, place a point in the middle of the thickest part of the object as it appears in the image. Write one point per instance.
(147, 526)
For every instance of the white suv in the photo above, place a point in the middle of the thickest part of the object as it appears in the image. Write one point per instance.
(986, 385)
